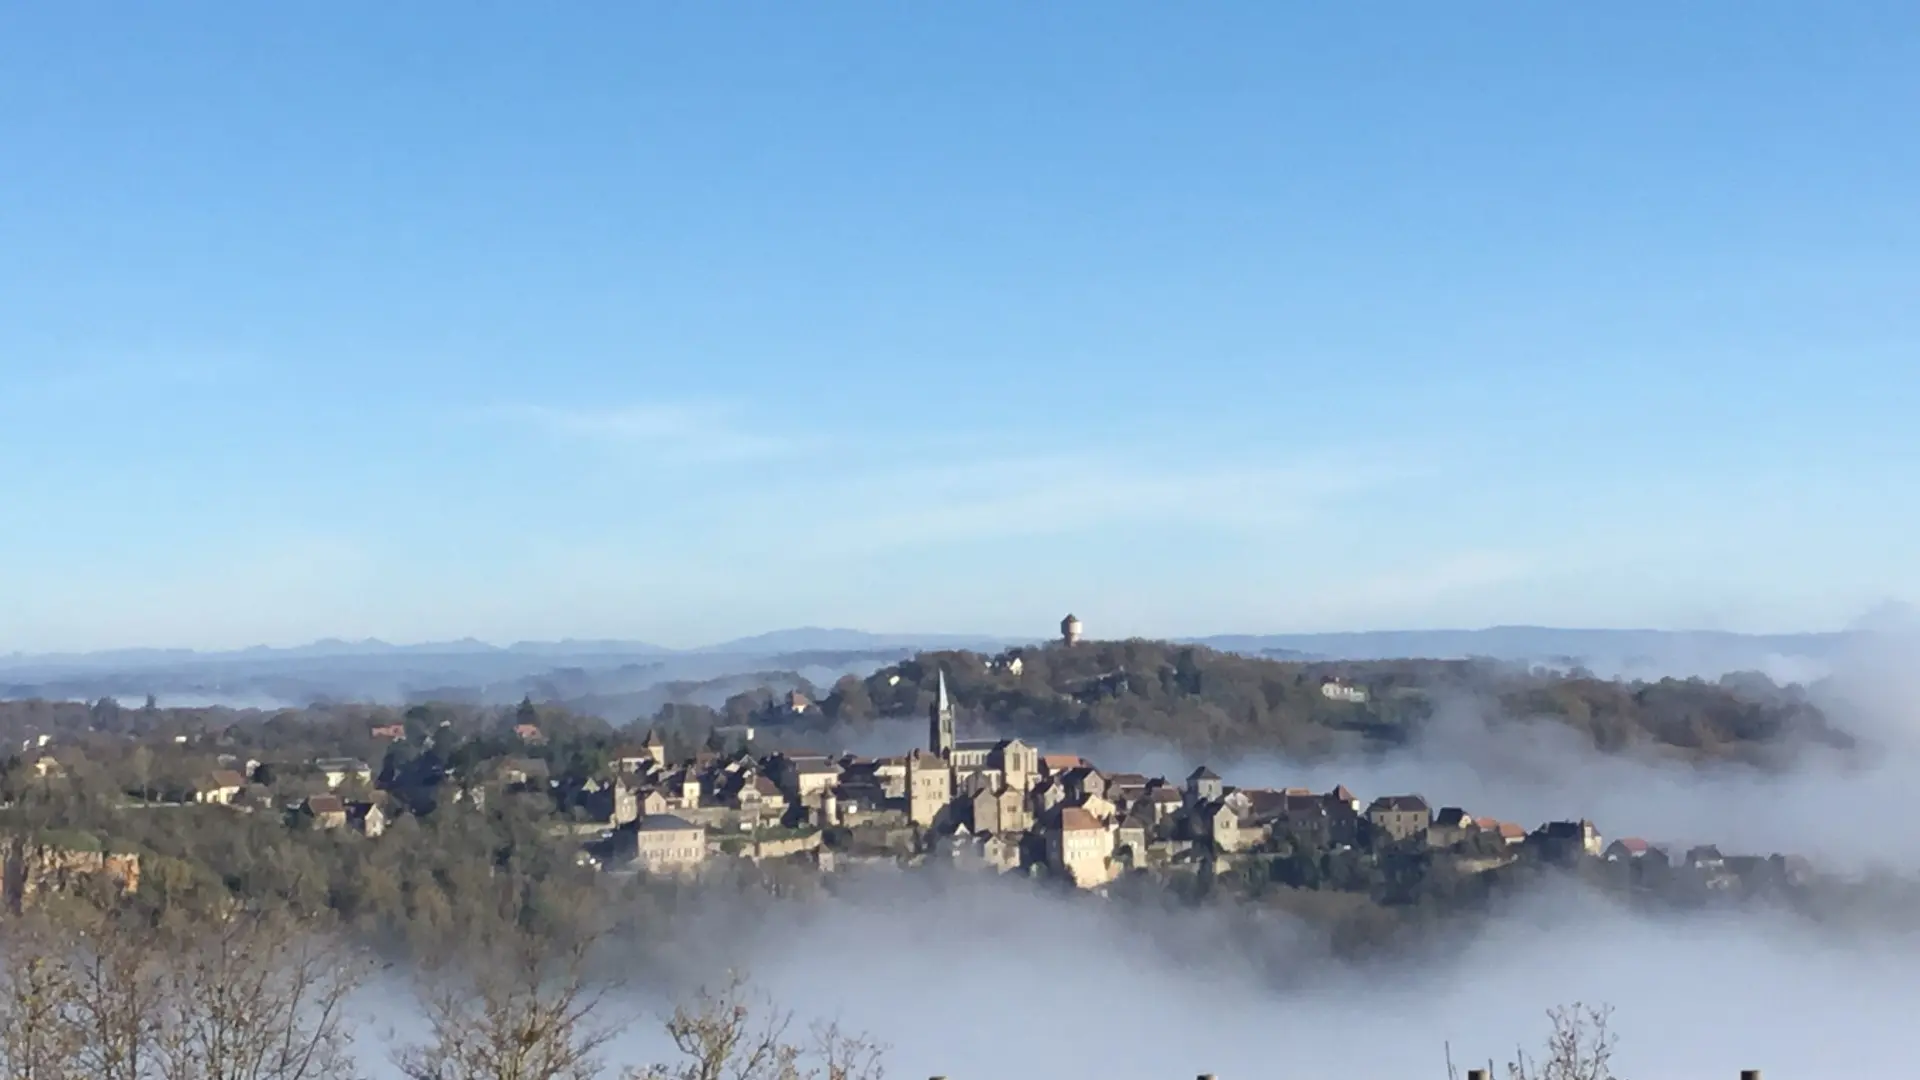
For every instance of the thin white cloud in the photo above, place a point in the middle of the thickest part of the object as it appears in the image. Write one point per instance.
(82, 381)
(678, 431)
(1028, 497)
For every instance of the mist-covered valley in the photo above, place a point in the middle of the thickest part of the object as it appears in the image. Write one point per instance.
(963, 972)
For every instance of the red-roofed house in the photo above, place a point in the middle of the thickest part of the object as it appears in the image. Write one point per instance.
(1055, 764)
(1628, 847)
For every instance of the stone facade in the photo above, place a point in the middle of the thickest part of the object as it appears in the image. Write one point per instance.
(668, 844)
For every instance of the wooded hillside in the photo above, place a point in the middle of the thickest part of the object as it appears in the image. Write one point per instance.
(1224, 703)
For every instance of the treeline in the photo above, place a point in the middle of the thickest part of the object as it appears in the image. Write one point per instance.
(410, 892)
(1225, 704)
(1204, 701)
(95, 990)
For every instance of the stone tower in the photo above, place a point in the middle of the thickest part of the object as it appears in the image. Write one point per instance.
(940, 722)
(1070, 630)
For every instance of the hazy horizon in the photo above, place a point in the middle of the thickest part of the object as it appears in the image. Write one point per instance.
(857, 637)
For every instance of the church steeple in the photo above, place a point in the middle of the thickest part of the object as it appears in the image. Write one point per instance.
(940, 721)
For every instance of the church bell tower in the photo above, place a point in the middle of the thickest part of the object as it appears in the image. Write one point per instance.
(940, 722)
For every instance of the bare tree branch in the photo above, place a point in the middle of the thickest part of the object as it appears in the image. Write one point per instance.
(513, 1011)
(736, 1033)
(36, 989)
(1580, 1047)
(254, 998)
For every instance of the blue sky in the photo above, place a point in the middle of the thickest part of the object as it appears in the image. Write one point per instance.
(682, 322)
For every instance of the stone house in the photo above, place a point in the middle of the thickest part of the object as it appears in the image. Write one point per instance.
(1053, 765)
(220, 787)
(338, 772)
(1133, 835)
(758, 796)
(1000, 811)
(1706, 857)
(891, 772)
(664, 843)
(1001, 851)
(1163, 801)
(325, 811)
(367, 819)
(1224, 829)
(685, 789)
(1204, 786)
(1307, 817)
(1399, 817)
(1630, 849)
(1046, 797)
(1335, 690)
(1450, 826)
(1509, 833)
(1085, 782)
(1080, 848)
(649, 755)
(806, 780)
(1261, 806)
(929, 788)
(823, 810)
(610, 802)
(1559, 841)
(1125, 789)
(1103, 810)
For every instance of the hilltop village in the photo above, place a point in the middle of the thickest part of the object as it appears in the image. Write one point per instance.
(685, 796)
(1002, 805)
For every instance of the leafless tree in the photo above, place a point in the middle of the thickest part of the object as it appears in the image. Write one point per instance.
(735, 1033)
(513, 1009)
(36, 1042)
(117, 995)
(1580, 1047)
(846, 1056)
(250, 997)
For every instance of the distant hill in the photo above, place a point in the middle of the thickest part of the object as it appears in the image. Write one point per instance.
(1613, 653)
(819, 639)
(611, 674)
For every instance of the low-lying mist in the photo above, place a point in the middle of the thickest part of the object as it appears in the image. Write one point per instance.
(965, 976)
(1833, 807)
(970, 976)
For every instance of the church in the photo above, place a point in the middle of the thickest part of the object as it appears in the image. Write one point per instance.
(948, 768)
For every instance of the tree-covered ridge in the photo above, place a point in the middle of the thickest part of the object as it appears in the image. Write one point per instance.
(1225, 703)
